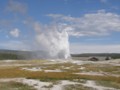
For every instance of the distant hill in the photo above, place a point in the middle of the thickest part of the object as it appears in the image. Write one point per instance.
(20, 55)
(14, 54)
(112, 55)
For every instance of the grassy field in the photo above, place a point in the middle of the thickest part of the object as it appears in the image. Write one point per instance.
(14, 86)
(103, 74)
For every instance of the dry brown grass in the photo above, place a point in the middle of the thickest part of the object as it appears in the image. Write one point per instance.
(16, 72)
(104, 68)
(67, 74)
(14, 86)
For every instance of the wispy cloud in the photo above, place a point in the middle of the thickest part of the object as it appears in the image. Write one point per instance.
(16, 7)
(92, 24)
(15, 32)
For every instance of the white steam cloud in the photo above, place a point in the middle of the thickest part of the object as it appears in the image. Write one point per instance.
(53, 40)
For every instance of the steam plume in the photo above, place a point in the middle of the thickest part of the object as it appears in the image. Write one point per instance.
(52, 40)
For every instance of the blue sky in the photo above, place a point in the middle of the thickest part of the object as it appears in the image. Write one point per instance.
(94, 24)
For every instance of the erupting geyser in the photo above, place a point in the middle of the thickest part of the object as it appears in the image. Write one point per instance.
(53, 41)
